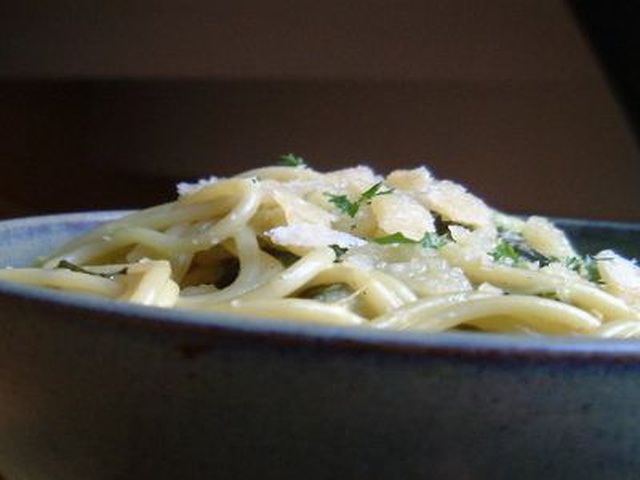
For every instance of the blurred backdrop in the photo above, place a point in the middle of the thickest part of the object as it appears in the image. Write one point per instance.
(109, 104)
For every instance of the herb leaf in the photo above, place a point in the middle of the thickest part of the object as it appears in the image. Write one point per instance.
(351, 208)
(343, 203)
(550, 295)
(339, 251)
(291, 160)
(429, 240)
(435, 240)
(67, 265)
(586, 267)
(505, 252)
(374, 191)
(393, 239)
(513, 249)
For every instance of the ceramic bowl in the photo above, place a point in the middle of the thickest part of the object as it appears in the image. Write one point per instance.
(92, 389)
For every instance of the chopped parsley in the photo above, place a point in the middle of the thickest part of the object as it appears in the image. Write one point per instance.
(551, 295)
(339, 251)
(513, 248)
(67, 265)
(374, 191)
(435, 240)
(505, 252)
(429, 240)
(351, 208)
(343, 204)
(394, 239)
(291, 160)
(586, 267)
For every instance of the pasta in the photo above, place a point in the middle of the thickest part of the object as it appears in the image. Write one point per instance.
(402, 252)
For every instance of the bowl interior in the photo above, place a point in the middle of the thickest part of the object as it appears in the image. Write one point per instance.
(591, 236)
(23, 240)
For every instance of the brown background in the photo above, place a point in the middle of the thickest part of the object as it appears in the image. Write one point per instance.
(108, 105)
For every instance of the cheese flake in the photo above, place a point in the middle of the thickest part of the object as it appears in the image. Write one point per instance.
(312, 235)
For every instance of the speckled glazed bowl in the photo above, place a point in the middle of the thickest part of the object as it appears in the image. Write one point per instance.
(93, 390)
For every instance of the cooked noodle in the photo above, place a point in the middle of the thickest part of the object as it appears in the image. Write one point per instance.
(349, 247)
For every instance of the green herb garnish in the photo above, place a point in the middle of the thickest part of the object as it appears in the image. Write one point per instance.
(521, 251)
(67, 265)
(339, 251)
(291, 160)
(513, 250)
(394, 239)
(343, 203)
(435, 240)
(505, 252)
(351, 208)
(550, 296)
(429, 240)
(374, 191)
(586, 267)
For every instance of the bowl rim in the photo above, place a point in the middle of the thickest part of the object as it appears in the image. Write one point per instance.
(211, 326)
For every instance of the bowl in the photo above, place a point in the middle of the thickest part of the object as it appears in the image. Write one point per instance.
(94, 389)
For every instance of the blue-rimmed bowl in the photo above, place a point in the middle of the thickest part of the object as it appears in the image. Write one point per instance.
(91, 389)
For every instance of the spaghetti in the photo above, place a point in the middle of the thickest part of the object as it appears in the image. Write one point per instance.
(349, 247)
